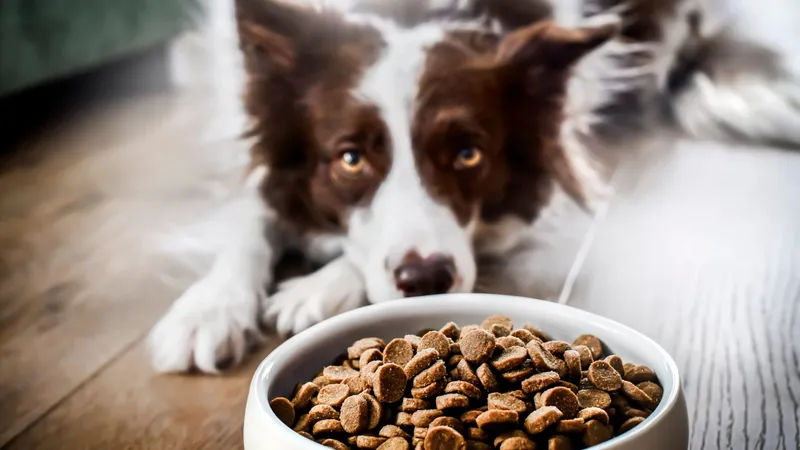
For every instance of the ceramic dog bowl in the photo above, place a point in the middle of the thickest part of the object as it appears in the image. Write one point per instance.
(299, 358)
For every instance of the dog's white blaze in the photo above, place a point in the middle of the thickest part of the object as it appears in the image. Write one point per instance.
(403, 217)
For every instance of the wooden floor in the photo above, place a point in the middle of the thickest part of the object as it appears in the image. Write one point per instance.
(113, 204)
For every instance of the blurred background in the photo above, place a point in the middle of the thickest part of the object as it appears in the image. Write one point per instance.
(120, 154)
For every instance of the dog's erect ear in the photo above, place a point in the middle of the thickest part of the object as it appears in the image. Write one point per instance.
(272, 33)
(547, 46)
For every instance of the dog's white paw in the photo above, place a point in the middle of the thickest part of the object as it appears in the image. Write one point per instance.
(214, 321)
(305, 301)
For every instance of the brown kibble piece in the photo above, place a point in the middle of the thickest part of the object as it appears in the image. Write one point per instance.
(466, 373)
(390, 383)
(403, 419)
(414, 404)
(333, 394)
(369, 370)
(424, 417)
(303, 423)
(450, 330)
(500, 331)
(604, 377)
(444, 438)
(398, 351)
(421, 361)
(559, 442)
(616, 362)
(362, 345)
(652, 390)
(639, 374)
(594, 398)
(354, 415)
(477, 346)
(304, 394)
(634, 412)
(537, 401)
(544, 360)
(594, 344)
(502, 437)
(420, 432)
(496, 419)
(523, 335)
(630, 424)
(563, 399)
(573, 361)
(436, 341)
(497, 319)
(487, 378)
(327, 426)
(541, 335)
(518, 443)
(283, 408)
(321, 381)
(429, 391)
(586, 355)
(470, 417)
(375, 411)
(323, 412)
(510, 341)
(637, 395)
(433, 373)
(539, 382)
(413, 339)
(337, 374)
(369, 442)
(476, 434)
(570, 426)
(506, 402)
(305, 435)
(390, 431)
(395, 443)
(454, 360)
(595, 433)
(598, 414)
(356, 384)
(462, 387)
(451, 422)
(542, 419)
(334, 444)
(557, 348)
(370, 355)
(449, 401)
(510, 358)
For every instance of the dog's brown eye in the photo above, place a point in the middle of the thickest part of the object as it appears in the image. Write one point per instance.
(468, 158)
(352, 162)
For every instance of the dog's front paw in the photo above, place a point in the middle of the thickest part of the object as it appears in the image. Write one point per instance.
(305, 301)
(214, 321)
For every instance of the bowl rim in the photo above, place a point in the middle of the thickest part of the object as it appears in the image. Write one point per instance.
(261, 377)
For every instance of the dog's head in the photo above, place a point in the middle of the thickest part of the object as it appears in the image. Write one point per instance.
(405, 139)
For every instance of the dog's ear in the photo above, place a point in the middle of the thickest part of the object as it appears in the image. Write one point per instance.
(535, 64)
(547, 46)
(275, 34)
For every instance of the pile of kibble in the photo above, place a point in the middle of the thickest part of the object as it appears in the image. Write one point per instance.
(474, 387)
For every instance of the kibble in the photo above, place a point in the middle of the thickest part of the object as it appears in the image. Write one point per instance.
(472, 388)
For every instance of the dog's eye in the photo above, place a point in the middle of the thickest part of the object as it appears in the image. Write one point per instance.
(352, 162)
(468, 158)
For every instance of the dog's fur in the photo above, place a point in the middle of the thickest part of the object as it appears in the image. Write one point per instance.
(416, 89)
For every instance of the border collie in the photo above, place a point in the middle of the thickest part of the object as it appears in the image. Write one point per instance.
(397, 142)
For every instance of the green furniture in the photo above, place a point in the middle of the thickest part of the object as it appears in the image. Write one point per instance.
(43, 40)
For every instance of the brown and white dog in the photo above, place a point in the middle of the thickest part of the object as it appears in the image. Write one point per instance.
(397, 143)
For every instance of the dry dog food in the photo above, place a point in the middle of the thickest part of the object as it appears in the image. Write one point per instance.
(487, 386)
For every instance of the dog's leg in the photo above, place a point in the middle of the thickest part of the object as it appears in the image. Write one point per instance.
(216, 319)
(304, 301)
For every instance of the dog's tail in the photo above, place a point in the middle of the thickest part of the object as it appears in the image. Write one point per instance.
(725, 87)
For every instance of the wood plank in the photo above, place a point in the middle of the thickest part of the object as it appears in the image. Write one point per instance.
(103, 218)
(702, 253)
(127, 406)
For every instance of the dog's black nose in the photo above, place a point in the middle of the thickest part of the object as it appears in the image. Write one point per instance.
(418, 276)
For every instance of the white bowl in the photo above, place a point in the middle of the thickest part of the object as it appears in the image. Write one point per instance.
(299, 358)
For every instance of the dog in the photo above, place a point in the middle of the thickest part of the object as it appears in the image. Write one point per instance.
(399, 143)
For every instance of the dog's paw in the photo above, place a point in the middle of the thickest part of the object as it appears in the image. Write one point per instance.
(215, 321)
(302, 302)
